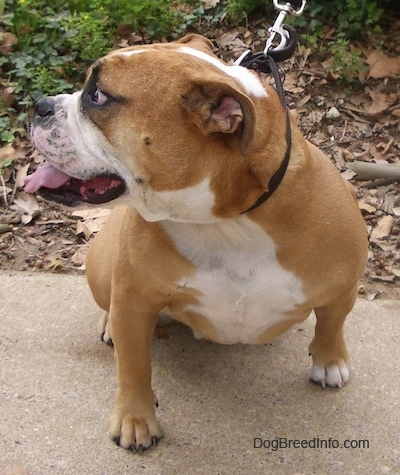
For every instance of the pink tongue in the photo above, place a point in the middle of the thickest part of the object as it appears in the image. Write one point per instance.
(46, 176)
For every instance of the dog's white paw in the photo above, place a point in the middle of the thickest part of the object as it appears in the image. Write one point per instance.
(335, 375)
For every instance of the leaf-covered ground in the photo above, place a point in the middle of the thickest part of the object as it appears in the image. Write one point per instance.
(356, 124)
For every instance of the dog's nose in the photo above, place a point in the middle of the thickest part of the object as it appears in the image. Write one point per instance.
(45, 107)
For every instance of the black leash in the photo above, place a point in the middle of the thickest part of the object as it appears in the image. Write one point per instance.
(280, 173)
(265, 62)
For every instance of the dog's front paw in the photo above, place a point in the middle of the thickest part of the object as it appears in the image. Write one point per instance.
(133, 425)
(335, 374)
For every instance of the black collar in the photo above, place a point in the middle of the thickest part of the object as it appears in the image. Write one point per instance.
(280, 173)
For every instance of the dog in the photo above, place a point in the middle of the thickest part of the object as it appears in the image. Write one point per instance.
(188, 145)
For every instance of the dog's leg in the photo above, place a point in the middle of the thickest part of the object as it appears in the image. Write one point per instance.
(133, 424)
(104, 325)
(328, 349)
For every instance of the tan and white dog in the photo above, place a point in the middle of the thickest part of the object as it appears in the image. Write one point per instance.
(192, 143)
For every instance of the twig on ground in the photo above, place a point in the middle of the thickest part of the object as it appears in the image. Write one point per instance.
(388, 145)
(375, 171)
(3, 184)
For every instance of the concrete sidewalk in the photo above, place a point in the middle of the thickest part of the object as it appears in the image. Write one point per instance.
(58, 382)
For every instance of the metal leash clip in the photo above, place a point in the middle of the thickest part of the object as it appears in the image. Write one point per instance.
(287, 34)
(278, 28)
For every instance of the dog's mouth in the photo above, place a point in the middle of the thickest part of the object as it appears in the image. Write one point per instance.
(56, 185)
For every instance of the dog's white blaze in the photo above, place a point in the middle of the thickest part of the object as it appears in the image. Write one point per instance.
(129, 53)
(248, 80)
(244, 289)
(186, 205)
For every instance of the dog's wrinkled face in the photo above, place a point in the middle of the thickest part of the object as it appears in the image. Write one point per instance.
(168, 125)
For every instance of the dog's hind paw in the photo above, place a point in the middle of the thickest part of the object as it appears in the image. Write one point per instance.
(104, 329)
(335, 375)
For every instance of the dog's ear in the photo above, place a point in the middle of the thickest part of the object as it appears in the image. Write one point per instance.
(197, 42)
(218, 108)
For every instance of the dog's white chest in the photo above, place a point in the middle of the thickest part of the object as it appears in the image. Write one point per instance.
(242, 289)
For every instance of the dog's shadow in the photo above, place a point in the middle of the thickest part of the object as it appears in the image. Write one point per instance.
(258, 387)
(230, 376)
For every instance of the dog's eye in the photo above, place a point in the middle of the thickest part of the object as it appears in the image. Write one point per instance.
(93, 97)
(99, 97)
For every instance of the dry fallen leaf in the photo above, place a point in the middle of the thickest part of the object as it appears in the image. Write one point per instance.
(93, 220)
(5, 190)
(302, 102)
(231, 40)
(53, 263)
(92, 213)
(366, 206)
(319, 137)
(394, 270)
(79, 258)
(82, 228)
(383, 66)
(380, 102)
(7, 153)
(384, 278)
(370, 296)
(385, 245)
(21, 174)
(347, 175)
(8, 42)
(7, 96)
(383, 228)
(28, 207)
(37, 157)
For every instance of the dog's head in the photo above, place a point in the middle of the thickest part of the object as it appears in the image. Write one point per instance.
(181, 134)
